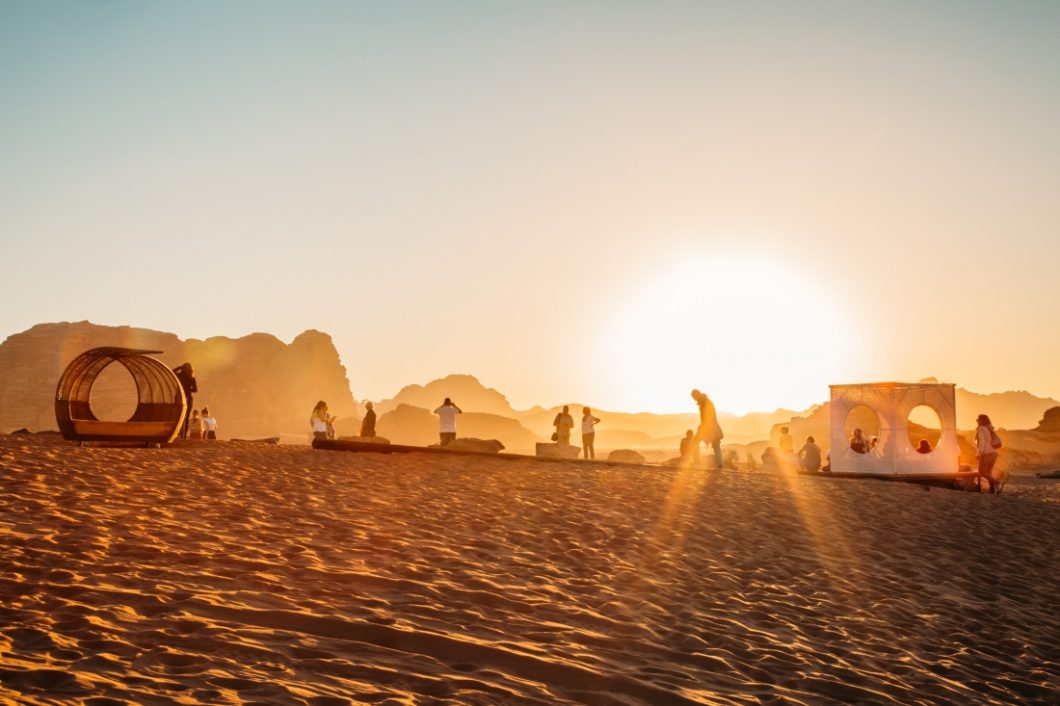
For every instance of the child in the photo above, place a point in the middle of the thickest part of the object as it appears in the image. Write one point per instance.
(195, 425)
(589, 423)
(209, 424)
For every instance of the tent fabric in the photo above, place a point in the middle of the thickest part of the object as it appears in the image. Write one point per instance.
(894, 454)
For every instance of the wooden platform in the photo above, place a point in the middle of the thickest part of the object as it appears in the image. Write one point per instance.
(134, 432)
(941, 480)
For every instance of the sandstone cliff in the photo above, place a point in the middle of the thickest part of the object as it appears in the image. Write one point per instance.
(255, 385)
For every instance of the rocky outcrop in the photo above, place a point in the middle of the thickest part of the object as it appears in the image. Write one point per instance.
(256, 386)
(625, 456)
(565, 451)
(465, 390)
(1050, 421)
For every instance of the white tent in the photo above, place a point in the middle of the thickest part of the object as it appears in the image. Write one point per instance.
(894, 454)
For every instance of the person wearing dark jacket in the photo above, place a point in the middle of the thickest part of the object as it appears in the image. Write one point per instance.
(186, 375)
(368, 425)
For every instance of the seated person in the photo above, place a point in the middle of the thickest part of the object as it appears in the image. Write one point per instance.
(924, 447)
(689, 448)
(858, 442)
(810, 455)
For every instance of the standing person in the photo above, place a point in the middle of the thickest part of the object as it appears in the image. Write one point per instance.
(186, 375)
(563, 423)
(709, 430)
(209, 424)
(319, 420)
(810, 455)
(195, 426)
(368, 425)
(987, 442)
(589, 423)
(447, 421)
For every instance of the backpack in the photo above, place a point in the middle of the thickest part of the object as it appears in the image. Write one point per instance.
(995, 440)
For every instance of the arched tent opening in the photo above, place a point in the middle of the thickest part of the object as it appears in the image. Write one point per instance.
(160, 406)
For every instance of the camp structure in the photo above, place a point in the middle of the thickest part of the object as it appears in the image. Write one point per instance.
(894, 454)
(160, 407)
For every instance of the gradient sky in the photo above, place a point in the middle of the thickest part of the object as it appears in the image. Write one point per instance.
(602, 202)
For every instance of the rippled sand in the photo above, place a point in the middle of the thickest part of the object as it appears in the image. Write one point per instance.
(241, 574)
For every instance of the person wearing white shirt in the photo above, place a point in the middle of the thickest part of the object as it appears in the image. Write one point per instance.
(209, 425)
(447, 421)
(319, 420)
(589, 423)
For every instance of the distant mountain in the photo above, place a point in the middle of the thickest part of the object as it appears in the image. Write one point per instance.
(465, 391)
(1012, 410)
(255, 386)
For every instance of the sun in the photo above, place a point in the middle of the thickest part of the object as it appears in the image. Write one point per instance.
(752, 333)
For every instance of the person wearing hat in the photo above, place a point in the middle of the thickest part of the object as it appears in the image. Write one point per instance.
(986, 445)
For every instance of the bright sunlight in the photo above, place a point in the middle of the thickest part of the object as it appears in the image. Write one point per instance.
(752, 333)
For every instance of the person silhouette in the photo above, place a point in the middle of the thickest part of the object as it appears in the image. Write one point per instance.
(589, 423)
(368, 425)
(447, 421)
(209, 425)
(563, 422)
(186, 376)
(320, 420)
(786, 443)
(810, 455)
(709, 431)
(689, 449)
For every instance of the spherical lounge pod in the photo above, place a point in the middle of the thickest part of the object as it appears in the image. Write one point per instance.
(894, 455)
(160, 408)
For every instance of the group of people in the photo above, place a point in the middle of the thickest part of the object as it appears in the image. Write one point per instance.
(195, 425)
(987, 444)
(564, 424)
(323, 423)
(810, 457)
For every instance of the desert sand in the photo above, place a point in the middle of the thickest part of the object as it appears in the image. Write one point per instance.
(231, 573)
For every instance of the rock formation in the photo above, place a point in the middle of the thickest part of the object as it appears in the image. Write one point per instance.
(1050, 420)
(625, 456)
(565, 451)
(465, 390)
(256, 386)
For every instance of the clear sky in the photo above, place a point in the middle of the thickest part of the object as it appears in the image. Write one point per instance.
(602, 202)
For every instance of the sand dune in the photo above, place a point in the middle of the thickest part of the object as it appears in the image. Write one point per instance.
(233, 573)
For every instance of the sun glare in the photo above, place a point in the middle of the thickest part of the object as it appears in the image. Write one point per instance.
(753, 334)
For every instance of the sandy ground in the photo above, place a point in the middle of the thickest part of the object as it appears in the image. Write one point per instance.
(238, 574)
